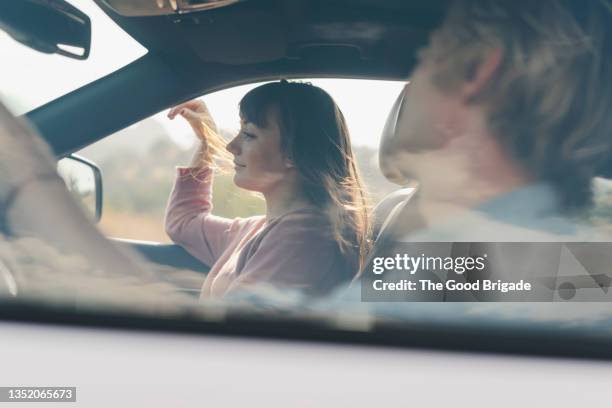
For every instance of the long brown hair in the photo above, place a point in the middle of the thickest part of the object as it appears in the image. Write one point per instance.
(315, 136)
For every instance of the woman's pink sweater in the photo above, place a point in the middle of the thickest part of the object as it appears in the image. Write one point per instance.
(295, 250)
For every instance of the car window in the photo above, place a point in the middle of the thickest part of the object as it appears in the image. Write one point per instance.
(500, 157)
(24, 86)
(138, 162)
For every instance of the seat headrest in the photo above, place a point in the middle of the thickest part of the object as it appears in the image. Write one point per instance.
(388, 158)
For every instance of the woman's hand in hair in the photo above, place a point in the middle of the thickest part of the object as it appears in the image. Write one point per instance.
(196, 113)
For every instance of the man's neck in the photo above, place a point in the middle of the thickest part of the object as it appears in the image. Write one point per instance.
(470, 171)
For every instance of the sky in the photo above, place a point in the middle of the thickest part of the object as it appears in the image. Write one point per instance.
(29, 79)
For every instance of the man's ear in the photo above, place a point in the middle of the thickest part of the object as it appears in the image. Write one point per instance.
(482, 73)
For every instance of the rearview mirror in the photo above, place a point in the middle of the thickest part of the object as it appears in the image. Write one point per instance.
(49, 26)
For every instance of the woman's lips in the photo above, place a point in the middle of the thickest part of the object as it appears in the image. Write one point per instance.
(236, 165)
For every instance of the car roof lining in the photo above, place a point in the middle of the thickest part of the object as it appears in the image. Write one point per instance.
(267, 30)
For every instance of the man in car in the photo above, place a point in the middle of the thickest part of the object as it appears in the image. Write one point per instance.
(505, 122)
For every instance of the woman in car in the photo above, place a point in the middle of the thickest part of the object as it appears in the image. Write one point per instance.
(294, 148)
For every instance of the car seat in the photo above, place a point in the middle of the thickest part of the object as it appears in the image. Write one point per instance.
(398, 213)
(389, 208)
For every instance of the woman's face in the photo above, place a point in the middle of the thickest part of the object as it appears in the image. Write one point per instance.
(259, 161)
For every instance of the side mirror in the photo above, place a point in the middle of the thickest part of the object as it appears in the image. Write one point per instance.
(49, 26)
(84, 180)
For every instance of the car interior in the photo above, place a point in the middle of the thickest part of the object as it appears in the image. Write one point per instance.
(195, 53)
(198, 47)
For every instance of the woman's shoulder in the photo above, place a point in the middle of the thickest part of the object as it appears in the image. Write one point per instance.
(298, 228)
(309, 220)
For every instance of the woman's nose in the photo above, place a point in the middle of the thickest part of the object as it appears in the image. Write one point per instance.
(233, 147)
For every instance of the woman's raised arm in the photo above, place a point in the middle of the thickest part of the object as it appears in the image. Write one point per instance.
(188, 219)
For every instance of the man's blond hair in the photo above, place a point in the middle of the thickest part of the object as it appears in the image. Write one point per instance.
(550, 101)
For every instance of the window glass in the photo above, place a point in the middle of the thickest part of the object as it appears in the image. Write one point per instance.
(25, 86)
(138, 162)
(501, 158)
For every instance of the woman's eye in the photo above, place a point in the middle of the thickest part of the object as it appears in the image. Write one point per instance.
(247, 135)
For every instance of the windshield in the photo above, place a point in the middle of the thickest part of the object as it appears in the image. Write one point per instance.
(30, 79)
